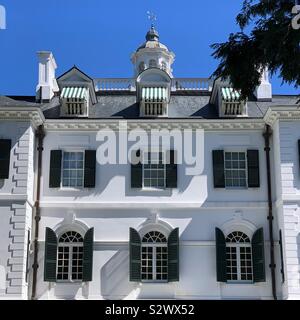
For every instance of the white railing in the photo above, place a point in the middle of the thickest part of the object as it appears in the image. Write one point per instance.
(114, 84)
(192, 84)
(128, 84)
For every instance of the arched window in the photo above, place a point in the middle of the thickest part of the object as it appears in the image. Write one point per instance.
(142, 66)
(164, 66)
(70, 257)
(152, 63)
(154, 262)
(239, 257)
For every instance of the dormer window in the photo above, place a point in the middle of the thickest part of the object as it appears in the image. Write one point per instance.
(154, 102)
(74, 101)
(152, 63)
(163, 66)
(231, 103)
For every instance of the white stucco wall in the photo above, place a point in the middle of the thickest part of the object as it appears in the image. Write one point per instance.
(196, 207)
(16, 200)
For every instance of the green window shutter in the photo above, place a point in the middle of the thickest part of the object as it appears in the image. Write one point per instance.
(253, 168)
(5, 147)
(55, 169)
(50, 256)
(171, 169)
(173, 256)
(90, 169)
(136, 171)
(258, 256)
(88, 251)
(134, 256)
(221, 256)
(218, 168)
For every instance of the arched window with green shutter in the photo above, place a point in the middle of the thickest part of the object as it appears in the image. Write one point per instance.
(155, 257)
(240, 259)
(68, 258)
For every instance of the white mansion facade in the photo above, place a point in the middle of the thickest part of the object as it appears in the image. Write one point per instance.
(73, 226)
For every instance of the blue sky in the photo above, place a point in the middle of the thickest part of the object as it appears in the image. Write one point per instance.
(99, 37)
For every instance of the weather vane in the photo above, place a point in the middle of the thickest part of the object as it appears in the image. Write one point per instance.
(152, 17)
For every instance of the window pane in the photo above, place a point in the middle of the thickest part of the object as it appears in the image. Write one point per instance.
(154, 171)
(73, 169)
(235, 169)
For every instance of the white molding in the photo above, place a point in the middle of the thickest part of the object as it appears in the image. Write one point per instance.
(239, 224)
(70, 223)
(291, 113)
(22, 113)
(184, 243)
(158, 225)
(144, 124)
(154, 205)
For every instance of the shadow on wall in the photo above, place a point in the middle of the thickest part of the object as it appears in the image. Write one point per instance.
(114, 276)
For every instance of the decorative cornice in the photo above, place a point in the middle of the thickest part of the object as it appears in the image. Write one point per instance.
(35, 115)
(32, 114)
(169, 124)
(274, 113)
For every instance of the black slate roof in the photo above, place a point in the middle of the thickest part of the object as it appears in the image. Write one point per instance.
(124, 106)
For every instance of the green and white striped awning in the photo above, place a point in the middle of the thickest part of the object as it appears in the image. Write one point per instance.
(74, 92)
(154, 94)
(229, 94)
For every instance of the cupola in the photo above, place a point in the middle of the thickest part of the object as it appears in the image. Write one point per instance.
(152, 54)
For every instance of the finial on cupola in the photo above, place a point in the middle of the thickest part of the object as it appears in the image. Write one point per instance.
(152, 34)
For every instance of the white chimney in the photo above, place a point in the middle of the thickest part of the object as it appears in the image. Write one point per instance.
(264, 91)
(47, 84)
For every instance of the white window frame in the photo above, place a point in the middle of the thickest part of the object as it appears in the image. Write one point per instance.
(76, 188)
(238, 246)
(164, 170)
(154, 246)
(70, 245)
(246, 168)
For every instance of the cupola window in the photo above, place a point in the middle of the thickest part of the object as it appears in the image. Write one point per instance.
(152, 63)
(163, 66)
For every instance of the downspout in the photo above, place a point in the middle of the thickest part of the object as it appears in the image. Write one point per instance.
(40, 134)
(267, 134)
